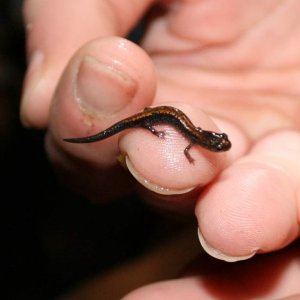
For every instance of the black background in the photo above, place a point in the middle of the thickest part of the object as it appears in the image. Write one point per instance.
(52, 239)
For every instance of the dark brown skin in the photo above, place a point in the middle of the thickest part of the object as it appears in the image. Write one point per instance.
(210, 140)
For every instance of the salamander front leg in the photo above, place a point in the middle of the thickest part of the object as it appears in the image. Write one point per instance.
(158, 133)
(187, 154)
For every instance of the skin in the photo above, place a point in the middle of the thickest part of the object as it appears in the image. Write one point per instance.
(230, 66)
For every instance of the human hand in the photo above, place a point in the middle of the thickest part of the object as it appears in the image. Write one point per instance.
(228, 65)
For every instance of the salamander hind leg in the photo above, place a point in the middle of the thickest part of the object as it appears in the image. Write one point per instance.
(187, 154)
(159, 133)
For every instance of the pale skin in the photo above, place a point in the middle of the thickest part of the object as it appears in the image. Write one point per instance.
(229, 65)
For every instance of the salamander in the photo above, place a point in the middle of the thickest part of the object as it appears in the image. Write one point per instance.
(151, 116)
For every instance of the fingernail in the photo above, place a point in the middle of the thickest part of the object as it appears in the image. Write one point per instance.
(150, 185)
(102, 89)
(31, 84)
(219, 254)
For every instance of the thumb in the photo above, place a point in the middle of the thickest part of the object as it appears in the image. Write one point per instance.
(55, 30)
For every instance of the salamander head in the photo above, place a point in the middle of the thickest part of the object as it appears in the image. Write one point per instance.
(216, 142)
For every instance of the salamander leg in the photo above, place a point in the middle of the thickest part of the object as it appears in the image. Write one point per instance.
(188, 155)
(158, 133)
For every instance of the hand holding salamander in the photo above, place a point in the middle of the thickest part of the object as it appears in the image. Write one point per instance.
(212, 141)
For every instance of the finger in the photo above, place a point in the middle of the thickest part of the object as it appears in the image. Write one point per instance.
(107, 80)
(254, 205)
(92, 96)
(55, 30)
(161, 166)
(278, 277)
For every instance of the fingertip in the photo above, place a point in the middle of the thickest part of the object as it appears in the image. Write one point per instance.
(216, 253)
(106, 81)
(161, 164)
(249, 209)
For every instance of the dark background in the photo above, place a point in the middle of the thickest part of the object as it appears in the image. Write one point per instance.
(52, 239)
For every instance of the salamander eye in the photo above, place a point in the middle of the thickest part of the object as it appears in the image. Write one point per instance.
(219, 147)
(224, 136)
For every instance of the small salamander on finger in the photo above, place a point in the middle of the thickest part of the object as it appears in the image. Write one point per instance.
(150, 116)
